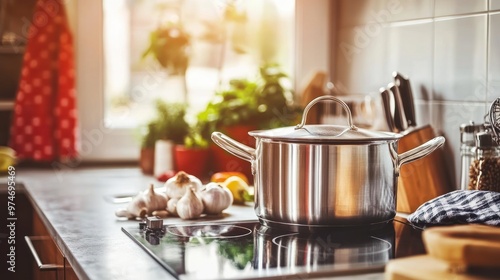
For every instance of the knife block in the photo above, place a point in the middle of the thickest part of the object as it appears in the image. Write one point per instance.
(423, 179)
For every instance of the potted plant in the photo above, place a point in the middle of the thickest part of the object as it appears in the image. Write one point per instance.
(192, 157)
(169, 46)
(150, 135)
(247, 105)
(162, 133)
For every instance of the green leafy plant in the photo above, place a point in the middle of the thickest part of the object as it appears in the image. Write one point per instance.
(263, 103)
(169, 124)
(194, 140)
(169, 46)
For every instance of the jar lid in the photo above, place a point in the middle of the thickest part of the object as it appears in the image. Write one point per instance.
(484, 140)
(471, 127)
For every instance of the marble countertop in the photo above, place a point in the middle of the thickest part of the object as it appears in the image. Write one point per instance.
(76, 206)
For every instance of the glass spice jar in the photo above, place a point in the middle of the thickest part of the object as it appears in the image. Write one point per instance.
(484, 172)
(467, 154)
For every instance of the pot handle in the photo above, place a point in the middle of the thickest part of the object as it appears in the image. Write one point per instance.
(420, 151)
(233, 147)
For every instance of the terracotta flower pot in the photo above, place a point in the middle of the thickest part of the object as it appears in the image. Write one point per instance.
(191, 160)
(147, 160)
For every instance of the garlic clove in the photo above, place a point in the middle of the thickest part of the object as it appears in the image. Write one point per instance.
(189, 206)
(123, 213)
(154, 201)
(215, 198)
(160, 213)
(137, 206)
(172, 205)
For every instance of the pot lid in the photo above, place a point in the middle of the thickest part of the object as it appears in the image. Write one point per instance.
(325, 133)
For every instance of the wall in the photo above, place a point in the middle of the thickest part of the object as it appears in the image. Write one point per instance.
(448, 48)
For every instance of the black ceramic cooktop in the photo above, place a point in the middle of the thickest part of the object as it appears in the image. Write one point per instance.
(247, 250)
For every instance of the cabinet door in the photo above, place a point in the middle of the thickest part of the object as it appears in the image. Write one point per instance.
(69, 273)
(48, 254)
(23, 227)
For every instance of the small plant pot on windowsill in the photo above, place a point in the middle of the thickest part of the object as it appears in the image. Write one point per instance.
(147, 160)
(191, 160)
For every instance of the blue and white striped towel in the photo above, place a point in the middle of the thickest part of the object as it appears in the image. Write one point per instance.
(459, 207)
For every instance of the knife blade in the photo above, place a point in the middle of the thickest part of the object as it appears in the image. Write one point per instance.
(399, 114)
(404, 86)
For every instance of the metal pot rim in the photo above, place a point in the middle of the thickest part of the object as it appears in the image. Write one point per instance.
(327, 134)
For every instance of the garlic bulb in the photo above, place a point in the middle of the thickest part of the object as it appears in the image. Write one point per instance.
(172, 206)
(154, 201)
(215, 198)
(144, 203)
(176, 186)
(189, 206)
(122, 212)
(137, 207)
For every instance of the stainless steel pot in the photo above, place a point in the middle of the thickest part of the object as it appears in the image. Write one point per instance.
(312, 176)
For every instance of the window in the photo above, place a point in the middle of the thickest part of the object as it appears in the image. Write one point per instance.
(117, 84)
(220, 40)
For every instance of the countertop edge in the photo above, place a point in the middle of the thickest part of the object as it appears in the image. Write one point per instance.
(79, 271)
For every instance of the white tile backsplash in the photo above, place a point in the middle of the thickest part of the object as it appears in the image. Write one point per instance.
(460, 58)
(362, 12)
(457, 7)
(411, 9)
(494, 5)
(494, 58)
(361, 60)
(450, 49)
(381, 11)
(423, 113)
(410, 51)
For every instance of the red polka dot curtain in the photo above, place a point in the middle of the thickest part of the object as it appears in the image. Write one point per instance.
(44, 126)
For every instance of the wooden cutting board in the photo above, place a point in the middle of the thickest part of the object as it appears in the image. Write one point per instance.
(453, 252)
(464, 245)
(425, 267)
(423, 179)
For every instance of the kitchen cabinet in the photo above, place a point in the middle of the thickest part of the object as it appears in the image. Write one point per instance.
(15, 18)
(51, 258)
(28, 223)
(23, 226)
(54, 264)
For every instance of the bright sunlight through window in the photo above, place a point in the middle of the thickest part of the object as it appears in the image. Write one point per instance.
(186, 50)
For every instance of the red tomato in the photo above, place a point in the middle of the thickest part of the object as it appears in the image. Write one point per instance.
(166, 175)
